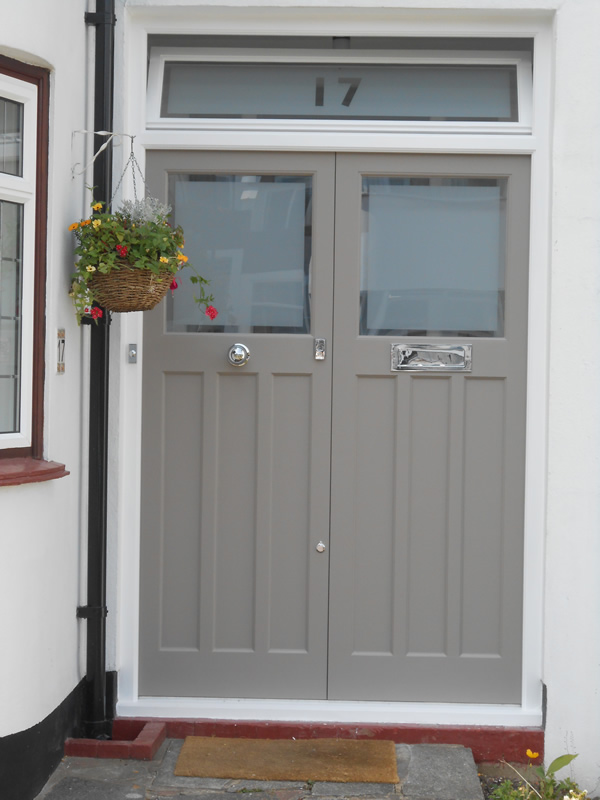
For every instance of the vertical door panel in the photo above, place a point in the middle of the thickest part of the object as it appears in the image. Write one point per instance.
(245, 593)
(433, 250)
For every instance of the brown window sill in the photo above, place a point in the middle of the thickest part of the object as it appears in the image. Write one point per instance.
(25, 469)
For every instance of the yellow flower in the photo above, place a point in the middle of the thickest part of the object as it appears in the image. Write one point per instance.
(182, 258)
(97, 206)
(163, 260)
(530, 754)
(74, 226)
(96, 223)
(91, 269)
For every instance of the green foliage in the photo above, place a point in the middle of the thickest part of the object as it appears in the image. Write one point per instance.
(547, 787)
(138, 235)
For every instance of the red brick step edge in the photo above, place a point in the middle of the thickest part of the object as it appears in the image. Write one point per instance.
(132, 738)
(140, 738)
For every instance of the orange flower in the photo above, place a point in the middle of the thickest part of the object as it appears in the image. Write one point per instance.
(74, 226)
(182, 258)
(85, 222)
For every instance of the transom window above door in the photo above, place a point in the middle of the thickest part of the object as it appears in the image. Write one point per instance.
(386, 84)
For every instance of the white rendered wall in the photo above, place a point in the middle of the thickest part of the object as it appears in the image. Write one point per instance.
(572, 607)
(40, 524)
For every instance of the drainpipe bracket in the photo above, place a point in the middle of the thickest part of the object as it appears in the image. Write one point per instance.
(95, 18)
(91, 612)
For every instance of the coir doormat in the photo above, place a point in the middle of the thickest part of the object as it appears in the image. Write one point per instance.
(339, 760)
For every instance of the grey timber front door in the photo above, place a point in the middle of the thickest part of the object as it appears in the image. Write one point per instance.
(341, 515)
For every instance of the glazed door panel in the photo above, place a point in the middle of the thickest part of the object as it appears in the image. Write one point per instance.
(237, 458)
(428, 465)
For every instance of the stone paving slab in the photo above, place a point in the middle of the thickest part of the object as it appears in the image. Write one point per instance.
(426, 772)
(327, 789)
(84, 789)
(441, 772)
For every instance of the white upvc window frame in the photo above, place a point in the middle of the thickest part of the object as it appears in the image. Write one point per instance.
(22, 190)
(159, 56)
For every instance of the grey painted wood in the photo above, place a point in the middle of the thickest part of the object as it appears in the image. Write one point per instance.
(419, 593)
(427, 482)
(236, 470)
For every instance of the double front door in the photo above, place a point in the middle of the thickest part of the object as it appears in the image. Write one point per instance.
(334, 508)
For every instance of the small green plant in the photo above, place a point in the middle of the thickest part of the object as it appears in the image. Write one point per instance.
(547, 787)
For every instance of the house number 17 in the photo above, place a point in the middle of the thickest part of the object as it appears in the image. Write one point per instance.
(353, 84)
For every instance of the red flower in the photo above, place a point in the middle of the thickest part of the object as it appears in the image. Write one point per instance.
(96, 313)
(211, 312)
(122, 250)
(174, 285)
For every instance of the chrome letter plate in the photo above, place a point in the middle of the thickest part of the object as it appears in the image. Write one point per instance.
(431, 357)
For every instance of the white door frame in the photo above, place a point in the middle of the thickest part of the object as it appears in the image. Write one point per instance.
(268, 18)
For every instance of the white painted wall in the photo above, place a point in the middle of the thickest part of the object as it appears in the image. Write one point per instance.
(40, 546)
(572, 607)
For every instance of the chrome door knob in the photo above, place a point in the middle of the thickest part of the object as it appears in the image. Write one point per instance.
(320, 548)
(238, 355)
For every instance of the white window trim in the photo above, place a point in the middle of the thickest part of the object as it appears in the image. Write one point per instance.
(22, 190)
(160, 56)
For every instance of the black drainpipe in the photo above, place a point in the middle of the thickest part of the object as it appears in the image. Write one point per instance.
(97, 717)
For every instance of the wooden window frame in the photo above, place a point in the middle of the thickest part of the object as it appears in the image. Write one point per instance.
(26, 464)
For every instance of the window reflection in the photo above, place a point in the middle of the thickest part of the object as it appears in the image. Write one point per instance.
(433, 256)
(250, 236)
(11, 137)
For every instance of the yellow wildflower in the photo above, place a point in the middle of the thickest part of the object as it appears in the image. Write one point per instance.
(74, 226)
(90, 268)
(96, 223)
(97, 206)
(183, 259)
(530, 754)
(163, 260)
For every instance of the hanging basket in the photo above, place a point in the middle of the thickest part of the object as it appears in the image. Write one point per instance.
(130, 289)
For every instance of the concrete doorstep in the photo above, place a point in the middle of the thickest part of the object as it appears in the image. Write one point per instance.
(426, 772)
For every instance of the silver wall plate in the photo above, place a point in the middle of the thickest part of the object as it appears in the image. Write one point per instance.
(431, 357)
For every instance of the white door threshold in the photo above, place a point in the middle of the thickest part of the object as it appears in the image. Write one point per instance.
(331, 711)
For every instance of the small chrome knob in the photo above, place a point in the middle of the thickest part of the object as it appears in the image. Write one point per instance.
(320, 548)
(238, 355)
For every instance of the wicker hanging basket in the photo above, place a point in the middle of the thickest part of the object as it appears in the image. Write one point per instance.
(130, 289)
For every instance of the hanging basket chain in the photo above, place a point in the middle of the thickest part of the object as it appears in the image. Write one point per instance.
(132, 160)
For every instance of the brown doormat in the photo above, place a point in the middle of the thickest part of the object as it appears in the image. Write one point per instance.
(339, 760)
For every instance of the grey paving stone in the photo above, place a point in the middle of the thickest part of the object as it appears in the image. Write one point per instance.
(72, 788)
(182, 794)
(282, 794)
(250, 787)
(402, 760)
(441, 772)
(326, 789)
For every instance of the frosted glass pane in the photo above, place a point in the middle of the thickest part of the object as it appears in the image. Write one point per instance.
(357, 91)
(250, 235)
(11, 232)
(433, 253)
(11, 137)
